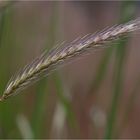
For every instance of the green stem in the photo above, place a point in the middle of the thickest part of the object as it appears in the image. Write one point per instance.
(126, 15)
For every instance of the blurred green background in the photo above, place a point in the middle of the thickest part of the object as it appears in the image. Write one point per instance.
(96, 96)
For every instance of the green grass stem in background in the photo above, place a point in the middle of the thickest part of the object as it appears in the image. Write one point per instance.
(42, 88)
(126, 15)
(7, 115)
(101, 72)
(66, 103)
(128, 109)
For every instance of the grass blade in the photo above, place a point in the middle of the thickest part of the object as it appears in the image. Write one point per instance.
(42, 88)
(118, 85)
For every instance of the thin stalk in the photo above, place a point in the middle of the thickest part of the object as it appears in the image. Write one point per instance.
(42, 88)
(117, 90)
(131, 101)
(66, 104)
(118, 84)
(101, 71)
(6, 42)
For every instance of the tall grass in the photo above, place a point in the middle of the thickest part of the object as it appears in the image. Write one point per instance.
(53, 58)
(118, 71)
(43, 88)
(6, 51)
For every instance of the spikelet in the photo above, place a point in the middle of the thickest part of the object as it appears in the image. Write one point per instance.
(42, 65)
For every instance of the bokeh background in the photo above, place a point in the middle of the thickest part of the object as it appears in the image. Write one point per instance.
(95, 96)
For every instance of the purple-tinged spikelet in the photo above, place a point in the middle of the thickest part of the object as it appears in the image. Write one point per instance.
(42, 65)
